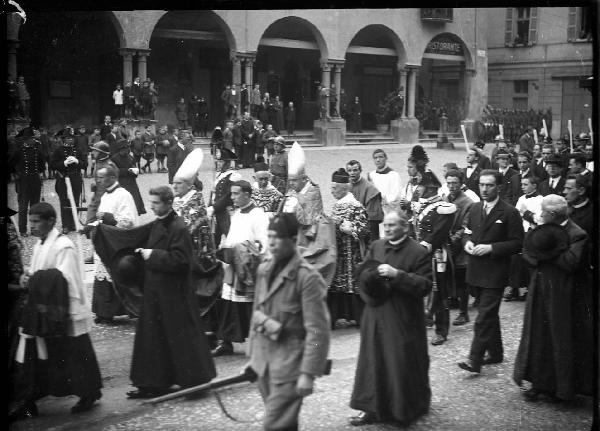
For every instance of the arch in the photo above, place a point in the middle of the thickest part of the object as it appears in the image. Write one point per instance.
(118, 28)
(392, 36)
(297, 23)
(188, 21)
(445, 36)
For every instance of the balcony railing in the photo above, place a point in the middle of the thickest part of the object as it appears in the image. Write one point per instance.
(436, 14)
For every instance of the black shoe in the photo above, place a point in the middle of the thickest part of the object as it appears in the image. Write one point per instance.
(85, 403)
(490, 360)
(145, 393)
(509, 294)
(531, 394)
(429, 321)
(438, 340)
(363, 418)
(470, 366)
(223, 348)
(461, 319)
(27, 410)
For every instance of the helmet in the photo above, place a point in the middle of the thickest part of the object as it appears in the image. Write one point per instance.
(101, 147)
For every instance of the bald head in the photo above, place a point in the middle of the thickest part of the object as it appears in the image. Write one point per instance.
(554, 209)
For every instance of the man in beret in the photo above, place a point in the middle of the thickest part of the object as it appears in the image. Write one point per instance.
(352, 233)
(392, 373)
(555, 183)
(290, 294)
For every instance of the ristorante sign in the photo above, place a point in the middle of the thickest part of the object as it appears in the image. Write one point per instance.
(445, 46)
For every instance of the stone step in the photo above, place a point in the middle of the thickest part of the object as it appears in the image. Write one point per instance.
(382, 142)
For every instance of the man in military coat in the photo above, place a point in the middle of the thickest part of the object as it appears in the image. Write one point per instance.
(28, 163)
(289, 334)
(435, 217)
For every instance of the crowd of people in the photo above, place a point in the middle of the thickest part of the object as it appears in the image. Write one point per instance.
(136, 99)
(515, 122)
(429, 113)
(261, 260)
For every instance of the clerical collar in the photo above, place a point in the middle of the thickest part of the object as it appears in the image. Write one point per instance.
(113, 187)
(532, 195)
(398, 241)
(582, 204)
(246, 209)
(165, 216)
(385, 170)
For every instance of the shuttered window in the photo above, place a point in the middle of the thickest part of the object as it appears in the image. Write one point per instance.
(508, 31)
(572, 24)
(580, 24)
(532, 25)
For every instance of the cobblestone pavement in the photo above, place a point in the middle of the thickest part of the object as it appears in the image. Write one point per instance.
(459, 401)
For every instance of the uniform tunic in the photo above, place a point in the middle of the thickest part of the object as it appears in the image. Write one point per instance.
(392, 373)
(28, 161)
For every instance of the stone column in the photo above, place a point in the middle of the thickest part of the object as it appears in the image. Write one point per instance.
(236, 76)
(337, 79)
(141, 71)
(412, 90)
(468, 76)
(249, 72)
(127, 65)
(326, 81)
(12, 59)
(402, 72)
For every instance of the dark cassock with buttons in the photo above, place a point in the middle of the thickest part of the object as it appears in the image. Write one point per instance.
(392, 373)
(28, 163)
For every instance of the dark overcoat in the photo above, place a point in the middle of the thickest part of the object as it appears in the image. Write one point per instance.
(127, 179)
(546, 351)
(392, 373)
(170, 346)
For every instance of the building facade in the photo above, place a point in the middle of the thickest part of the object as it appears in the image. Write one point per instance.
(73, 60)
(541, 58)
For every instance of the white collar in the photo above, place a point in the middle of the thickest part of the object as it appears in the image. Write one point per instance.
(306, 187)
(164, 216)
(491, 204)
(398, 241)
(114, 186)
(582, 204)
(563, 224)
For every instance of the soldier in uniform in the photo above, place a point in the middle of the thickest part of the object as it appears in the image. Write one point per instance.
(287, 363)
(433, 218)
(67, 161)
(28, 162)
(221, 203)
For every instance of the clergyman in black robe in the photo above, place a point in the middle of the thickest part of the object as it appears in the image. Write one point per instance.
(392, 374)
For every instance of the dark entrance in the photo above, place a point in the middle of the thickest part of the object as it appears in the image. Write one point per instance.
(71, 63)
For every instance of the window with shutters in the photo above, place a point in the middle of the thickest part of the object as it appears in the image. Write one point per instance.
(521, 26)
(580, 24)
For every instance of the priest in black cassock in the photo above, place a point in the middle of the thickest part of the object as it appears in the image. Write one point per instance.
(392, 374)
(170, 346)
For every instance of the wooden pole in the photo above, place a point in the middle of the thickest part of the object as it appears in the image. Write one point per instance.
(501, 127)
(464, 133)
(591, 132)
(570, 126)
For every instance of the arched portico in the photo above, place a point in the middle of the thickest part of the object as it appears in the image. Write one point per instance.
(192, 52)
(291, 61)
(374, 67)
(444, 82)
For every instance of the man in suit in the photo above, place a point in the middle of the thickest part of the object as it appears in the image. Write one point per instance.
(539, 167)
(290, 294)
(105, 128)
(555, 183)
(111, 139)
(233, 102)
(515, 191)
(472, 171)
(493, 233)
(581, 208)
(503, 161)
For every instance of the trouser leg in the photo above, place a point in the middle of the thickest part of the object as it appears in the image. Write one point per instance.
(282, 404)
(487, 334)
